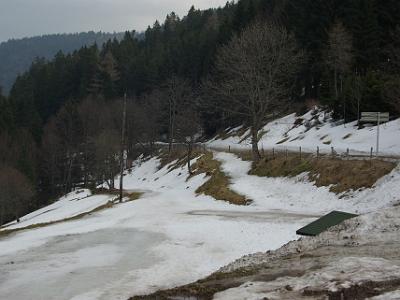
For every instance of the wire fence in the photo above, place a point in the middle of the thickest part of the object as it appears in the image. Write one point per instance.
(300, 152)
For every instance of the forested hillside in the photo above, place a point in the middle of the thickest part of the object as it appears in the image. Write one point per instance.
(60, 125)
(16, 56)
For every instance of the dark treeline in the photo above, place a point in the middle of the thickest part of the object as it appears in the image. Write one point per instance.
(17, 55)
(60, 126)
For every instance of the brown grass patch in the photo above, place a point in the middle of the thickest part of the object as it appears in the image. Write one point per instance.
(323, 137)
(132, 196)
(179, 156)
(341, 175)
(282, 141)
(218, 184)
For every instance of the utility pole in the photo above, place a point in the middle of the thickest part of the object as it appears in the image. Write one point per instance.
(122, 154)
(377, 134)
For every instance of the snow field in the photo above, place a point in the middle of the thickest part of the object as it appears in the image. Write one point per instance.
(316, 129)
(170, 236)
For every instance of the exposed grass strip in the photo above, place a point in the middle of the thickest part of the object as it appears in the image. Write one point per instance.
(218, 184)
(340, 175)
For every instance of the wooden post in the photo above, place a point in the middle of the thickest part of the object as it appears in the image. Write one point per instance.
(348, 152)
(122, 158)
(370, 156)
(332, 152)
(317, 152)
(273, 153)
(300, 151)
(229, 149)
(286, 153)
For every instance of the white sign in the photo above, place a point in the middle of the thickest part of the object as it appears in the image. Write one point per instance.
(377, 117)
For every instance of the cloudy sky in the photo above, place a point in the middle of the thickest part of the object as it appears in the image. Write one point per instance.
(23, 18)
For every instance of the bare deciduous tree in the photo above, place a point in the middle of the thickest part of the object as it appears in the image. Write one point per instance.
(392, 93)
(339, 54)
(107, 147)
(16, 191)
(188, 130)
(254, 74)
(178, 92)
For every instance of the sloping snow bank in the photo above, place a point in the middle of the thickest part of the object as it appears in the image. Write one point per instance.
(382, 226)
(70, 205)
(170, 236)
(316, 129)
(348, 271)
(298, 195)
(375, 229)
(167, 238)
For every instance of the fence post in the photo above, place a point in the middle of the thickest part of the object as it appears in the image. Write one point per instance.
(348, 153)
(332, 152)
(273, 153)
(317, 152)
(286, 153)
(262, 151)
(229, 149)
(370, 156)
(300, 151)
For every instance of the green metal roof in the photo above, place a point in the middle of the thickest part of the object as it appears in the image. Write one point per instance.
(324, 223)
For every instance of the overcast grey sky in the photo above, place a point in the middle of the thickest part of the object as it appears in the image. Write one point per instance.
(23, 18)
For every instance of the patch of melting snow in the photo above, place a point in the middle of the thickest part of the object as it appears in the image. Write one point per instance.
(340, 274)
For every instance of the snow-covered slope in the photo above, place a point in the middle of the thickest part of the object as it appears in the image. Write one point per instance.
(298, 195)
(167, 238)
(70, 205)
(316, 129)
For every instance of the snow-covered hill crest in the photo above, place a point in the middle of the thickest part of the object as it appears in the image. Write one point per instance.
(315, 129)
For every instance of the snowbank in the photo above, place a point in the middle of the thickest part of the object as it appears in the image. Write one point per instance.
(70, 205)
(169, 237)
(316, 129)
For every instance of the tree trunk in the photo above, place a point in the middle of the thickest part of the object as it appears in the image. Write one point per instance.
(17, 215)
(172, 117)
(335, 84)
(122, 154)
(2, 214)
(189, 154)
(254, 145)
(68, 183)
